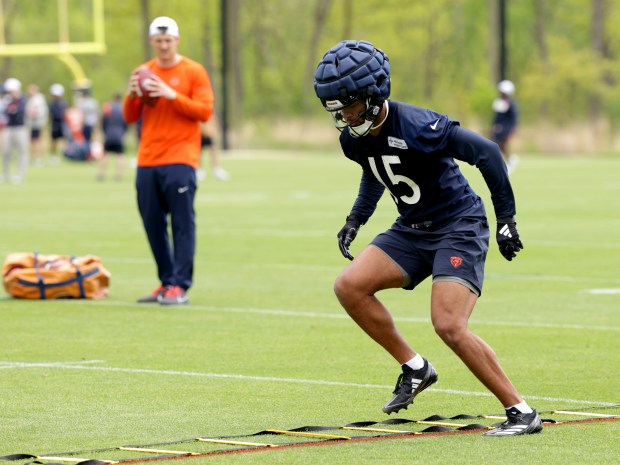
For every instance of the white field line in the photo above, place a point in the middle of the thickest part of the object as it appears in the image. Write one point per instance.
(87, 366)
(272, 232)
(337, 268)
(608, 291)
(341, 315)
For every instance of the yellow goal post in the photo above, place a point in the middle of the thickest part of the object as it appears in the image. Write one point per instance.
(64, 49)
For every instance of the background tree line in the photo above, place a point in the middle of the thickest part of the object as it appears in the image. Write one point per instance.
(562, 56)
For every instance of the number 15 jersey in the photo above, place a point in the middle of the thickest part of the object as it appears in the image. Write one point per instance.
(413, 157)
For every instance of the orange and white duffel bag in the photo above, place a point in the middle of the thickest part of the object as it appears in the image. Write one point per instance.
(34, 276)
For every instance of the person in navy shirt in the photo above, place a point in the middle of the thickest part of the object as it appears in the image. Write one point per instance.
(441, 231)
(505, 120)
(58, 130)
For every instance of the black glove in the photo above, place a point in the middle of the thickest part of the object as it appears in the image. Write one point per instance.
(508, 238)
(347, 234)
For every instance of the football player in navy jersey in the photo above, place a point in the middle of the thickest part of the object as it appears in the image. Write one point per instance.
(441, 231)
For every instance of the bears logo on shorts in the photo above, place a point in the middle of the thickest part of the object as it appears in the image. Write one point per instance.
(456, 261)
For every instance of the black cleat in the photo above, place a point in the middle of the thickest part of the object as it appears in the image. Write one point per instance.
(517, 423)
(410, 383)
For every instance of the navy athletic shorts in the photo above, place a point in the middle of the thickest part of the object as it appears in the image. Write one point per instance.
(454, 250)
(57, 131)
(206, 141)
(114, 147)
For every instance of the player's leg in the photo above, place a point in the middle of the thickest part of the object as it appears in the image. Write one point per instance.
(153, 210)
(103, 164)
(53, 144)
(36, 147)
(371, 271)
(6, 155)
(451, 306)
(22, 139)
(120, 162)
(180, 189)
(219, 172)
(58, 143)
(458, 274)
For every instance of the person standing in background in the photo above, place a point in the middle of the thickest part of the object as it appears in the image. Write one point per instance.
(57, 108)
(114, 128)
(36, 119)
(15, 134)
(3, 116)
(505, 120)
(168, 156)
(208, 143)
(89, 106)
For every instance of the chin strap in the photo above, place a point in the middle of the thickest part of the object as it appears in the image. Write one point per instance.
(364, 128)
(361, 130)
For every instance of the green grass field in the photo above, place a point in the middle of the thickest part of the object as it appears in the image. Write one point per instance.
(264, 343)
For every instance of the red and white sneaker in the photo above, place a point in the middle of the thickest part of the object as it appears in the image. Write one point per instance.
(174, 295)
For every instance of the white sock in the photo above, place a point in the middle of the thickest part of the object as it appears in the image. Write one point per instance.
(416, 362)
(522, 407)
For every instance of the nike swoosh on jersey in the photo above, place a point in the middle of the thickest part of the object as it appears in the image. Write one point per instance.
(183, 189)
(434, 125)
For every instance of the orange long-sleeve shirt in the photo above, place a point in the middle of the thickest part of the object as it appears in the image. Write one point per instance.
(171, 129)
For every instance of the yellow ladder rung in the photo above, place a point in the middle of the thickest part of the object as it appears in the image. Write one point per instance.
(236, 443)
(157, 451)
(585, 414)
(380, 430)
(69, 459)
(493, 417)
(310, 435)
(439, 423)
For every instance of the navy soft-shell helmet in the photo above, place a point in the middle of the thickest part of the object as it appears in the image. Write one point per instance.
(352, 70)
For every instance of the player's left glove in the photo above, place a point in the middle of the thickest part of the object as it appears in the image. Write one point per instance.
(347, 234)
(508, 238)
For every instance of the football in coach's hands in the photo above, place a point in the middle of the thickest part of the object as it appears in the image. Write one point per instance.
(144, 77)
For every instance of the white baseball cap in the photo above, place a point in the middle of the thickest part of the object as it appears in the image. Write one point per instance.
(506, 87)
(164, 25)
(12, 85)
(57, 90)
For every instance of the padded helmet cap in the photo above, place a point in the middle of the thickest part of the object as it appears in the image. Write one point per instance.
(506, 87)
(351, 70)
(12, 85)
(57, 90)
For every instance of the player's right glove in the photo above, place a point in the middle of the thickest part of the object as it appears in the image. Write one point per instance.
(508, 238)
(347, 234)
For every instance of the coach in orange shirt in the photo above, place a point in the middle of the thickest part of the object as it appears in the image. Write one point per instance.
(168, 156)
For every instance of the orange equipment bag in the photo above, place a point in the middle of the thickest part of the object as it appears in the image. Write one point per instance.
(34, 276)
